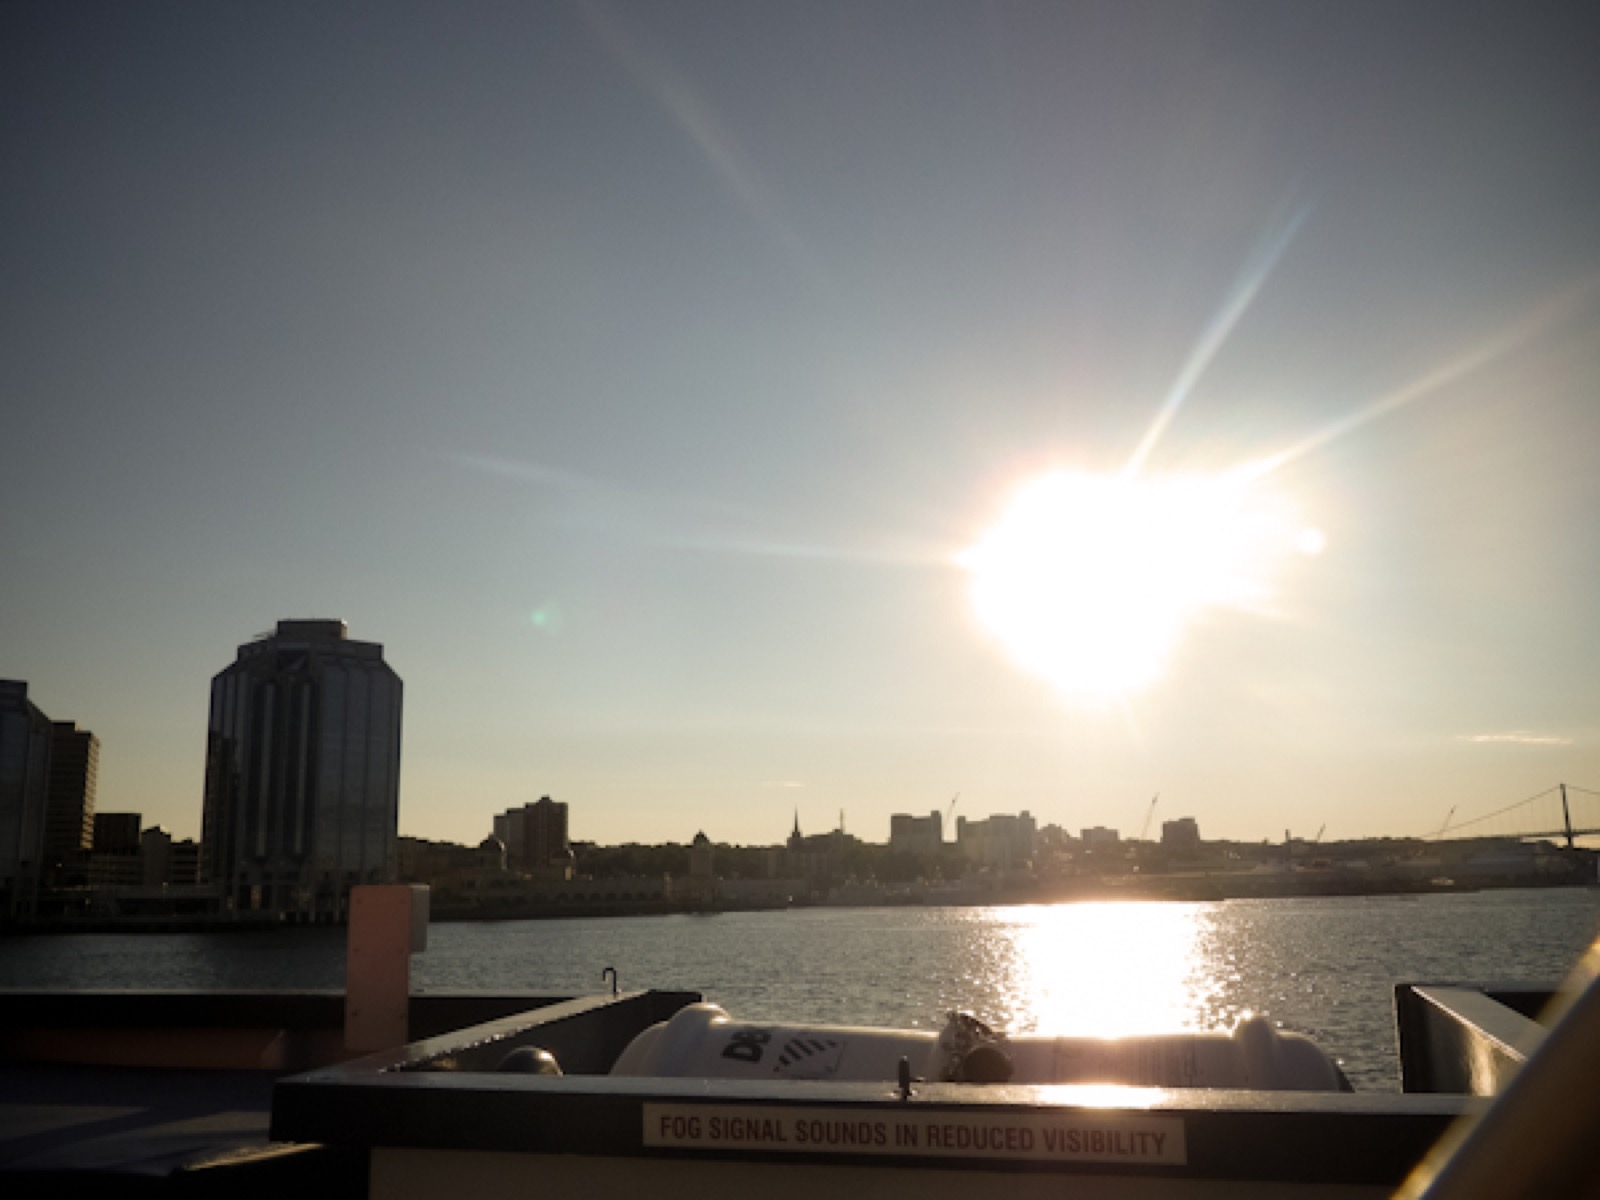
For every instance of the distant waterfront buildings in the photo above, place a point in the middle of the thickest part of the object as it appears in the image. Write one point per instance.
(1182, 834)
(1002, 841)
(702, 887)
(817, 861)
(919, 836)
(117, 832)
(25, 734)
(115, 861)
(302, 787)
(164, 862)
(535, 838)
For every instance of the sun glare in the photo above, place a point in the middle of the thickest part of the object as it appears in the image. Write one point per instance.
(1089, 581)
(1108, 970)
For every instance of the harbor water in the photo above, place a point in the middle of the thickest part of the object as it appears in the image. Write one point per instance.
(1325, 967)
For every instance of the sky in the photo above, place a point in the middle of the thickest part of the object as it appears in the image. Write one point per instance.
(724, 413)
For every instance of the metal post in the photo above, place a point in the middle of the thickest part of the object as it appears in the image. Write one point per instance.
(388, 923)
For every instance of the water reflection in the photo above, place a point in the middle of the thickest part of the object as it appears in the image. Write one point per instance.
(1109, 970)
(1322, 967)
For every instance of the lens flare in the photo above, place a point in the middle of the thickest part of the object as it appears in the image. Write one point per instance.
(547, 618)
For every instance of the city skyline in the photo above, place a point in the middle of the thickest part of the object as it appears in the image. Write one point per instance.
(1151, 828)
(718, 412)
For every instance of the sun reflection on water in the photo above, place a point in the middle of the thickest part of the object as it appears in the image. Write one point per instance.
(1108, 970)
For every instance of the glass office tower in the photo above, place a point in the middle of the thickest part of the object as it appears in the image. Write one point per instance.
(24, 787)
(302, 772)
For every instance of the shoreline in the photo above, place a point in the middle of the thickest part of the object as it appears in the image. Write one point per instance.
(1152, 889)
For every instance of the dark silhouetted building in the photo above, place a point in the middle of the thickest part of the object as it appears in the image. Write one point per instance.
(164, 862)
(535, 838)
(155, 857)
(69, 811)
(117, 832)
(1182, 834)
(302, 796)
(920, 836)
(702, 883)
(116, 860)
(24, 791)
(1002, 840)
(817, 860)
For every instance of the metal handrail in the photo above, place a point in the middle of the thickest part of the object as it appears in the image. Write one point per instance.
(1538, 1138)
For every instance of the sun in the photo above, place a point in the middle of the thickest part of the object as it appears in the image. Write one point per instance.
(1090, 581)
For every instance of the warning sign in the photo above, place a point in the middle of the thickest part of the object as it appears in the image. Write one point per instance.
(1033, 1136)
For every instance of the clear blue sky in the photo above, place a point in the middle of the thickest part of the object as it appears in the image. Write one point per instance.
(636, 374)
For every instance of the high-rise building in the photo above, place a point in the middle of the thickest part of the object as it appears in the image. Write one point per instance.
(24, 791)
(535, 838)
(1002, 840)
(69, 809)
(302, 793)
(920, 836)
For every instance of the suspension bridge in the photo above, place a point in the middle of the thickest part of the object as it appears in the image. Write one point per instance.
(1564, 811)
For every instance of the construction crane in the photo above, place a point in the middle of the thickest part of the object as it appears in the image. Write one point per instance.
(1149, 815)
(949, 814)
(1440, 832)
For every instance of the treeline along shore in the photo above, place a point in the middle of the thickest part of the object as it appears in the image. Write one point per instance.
(640, 881)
